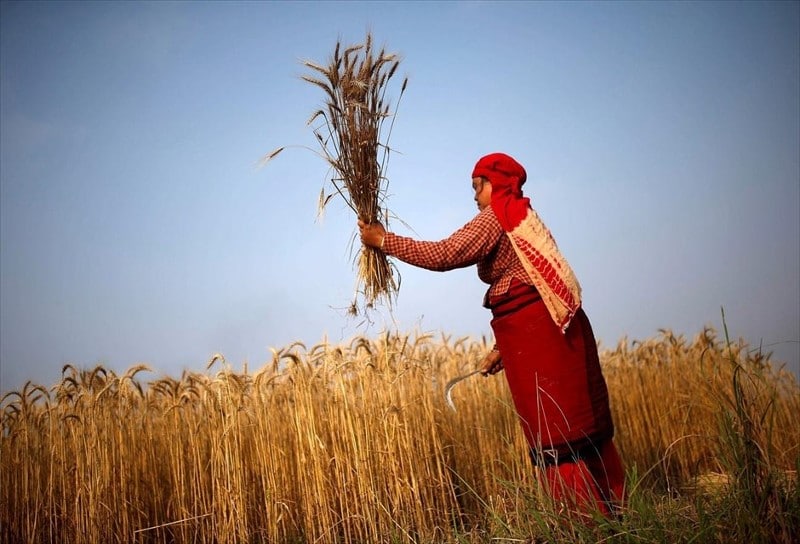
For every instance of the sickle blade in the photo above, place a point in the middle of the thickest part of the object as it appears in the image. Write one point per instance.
(448, 390)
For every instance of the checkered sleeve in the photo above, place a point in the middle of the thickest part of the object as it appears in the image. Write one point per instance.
(464, 247)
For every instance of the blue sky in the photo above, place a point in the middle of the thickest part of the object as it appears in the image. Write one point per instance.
(660, 139)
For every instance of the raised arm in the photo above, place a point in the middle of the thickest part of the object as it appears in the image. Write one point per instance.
(464, 247)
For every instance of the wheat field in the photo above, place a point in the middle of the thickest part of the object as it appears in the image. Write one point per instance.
(355, 443)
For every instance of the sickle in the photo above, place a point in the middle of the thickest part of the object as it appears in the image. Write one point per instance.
(448, 389)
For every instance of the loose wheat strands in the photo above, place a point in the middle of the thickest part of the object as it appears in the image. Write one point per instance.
(170, 523)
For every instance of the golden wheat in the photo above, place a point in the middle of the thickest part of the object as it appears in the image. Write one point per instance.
(348, 443)
(354, 141)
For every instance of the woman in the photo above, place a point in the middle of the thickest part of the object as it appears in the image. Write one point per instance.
(543, 338)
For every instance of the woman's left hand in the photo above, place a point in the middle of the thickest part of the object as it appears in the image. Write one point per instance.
(371, 234)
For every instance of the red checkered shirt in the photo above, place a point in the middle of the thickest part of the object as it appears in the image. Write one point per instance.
(482, 241)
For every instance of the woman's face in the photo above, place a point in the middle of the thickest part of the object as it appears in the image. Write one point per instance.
(483, 192)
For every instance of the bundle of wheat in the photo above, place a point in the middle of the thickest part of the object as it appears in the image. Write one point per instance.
(354, 141)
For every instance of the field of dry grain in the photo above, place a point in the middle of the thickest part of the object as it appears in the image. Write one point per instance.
(355, 443)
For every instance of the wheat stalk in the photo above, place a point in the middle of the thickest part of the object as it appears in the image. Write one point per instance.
(353, 137)
(353, 443)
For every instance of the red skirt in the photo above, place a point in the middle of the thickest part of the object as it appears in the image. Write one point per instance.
(561, 399)
(555, 380)
(594, 482)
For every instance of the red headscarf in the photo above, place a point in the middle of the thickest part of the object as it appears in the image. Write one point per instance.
(507, 177)
(547, 269)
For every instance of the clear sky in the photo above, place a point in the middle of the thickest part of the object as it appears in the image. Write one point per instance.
(660, 139)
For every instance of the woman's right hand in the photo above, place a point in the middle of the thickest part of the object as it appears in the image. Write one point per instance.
(371, 234)
(492, 363)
